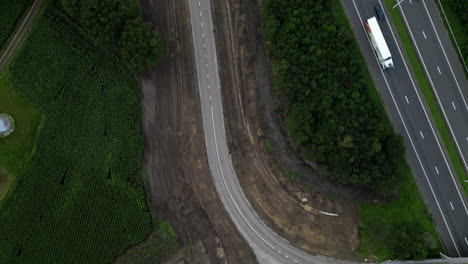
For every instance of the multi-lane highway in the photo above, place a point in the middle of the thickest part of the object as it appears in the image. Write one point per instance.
(267, 245)
(409, 113)
(444, 70)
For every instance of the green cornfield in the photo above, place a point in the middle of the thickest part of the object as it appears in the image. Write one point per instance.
(80, 196)
(10, 14)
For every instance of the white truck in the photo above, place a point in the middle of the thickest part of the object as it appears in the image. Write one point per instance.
(379, 44)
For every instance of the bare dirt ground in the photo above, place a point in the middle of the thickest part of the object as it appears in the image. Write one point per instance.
(250, 120)
(175, 155)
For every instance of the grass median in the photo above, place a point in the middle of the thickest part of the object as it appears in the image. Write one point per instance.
(407, 209)
(429, 95)
(455, 27)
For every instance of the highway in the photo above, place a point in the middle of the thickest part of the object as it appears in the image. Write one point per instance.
(411, 118)
(442, 66)
(268, 246)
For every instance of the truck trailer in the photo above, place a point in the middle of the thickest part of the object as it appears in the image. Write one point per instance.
(379, 43)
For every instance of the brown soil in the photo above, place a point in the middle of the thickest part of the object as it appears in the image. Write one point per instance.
(175, 155)
(250, 120)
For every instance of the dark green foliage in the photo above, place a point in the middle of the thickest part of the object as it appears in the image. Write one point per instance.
(79, 198)
(104, 19)
(160, 244)
(10, 13)
(331, 116)
(461, 8)
(117, 25)
(141, 46)
(413, 243)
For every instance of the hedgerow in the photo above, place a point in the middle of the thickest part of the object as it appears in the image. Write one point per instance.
(79, 199)
(10, 14)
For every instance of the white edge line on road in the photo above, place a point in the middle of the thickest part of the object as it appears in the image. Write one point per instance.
(453, 35)
(445, 54)
(440, 104)
(221, 171)
(406, 129)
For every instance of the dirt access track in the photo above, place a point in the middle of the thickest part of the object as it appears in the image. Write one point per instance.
(175, 155)
(246, 86)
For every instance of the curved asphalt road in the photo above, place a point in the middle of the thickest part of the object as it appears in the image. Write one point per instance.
(407, 109)
(267, 245)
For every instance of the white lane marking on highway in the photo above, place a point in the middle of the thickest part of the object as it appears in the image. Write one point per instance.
(424, 34)
(201, 24)
(456, 42)
(440, 103)
(451, 205)
(443, 110)
(406, 128)
(204, 45)
(199, 3)
(454, 108)
(207, 75)
(296, 261)
(279, 252)
(209, 86)
(205, 55)
(420, 132)
(210, 97)
(286, 256)
(225, 184)
(446, 58)
(410, 1)
(406, 99)
(203, 35)
(437, 170)
(206, 65)
(466, 241)
(200, 13)
(438, 69)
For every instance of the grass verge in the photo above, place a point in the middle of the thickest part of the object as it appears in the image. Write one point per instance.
(15, 149)
(456, 26)
(409, 208)
(429, 95)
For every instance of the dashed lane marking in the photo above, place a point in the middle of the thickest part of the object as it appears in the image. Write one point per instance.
(438, 69)
(451, 205)
(420, 132)
(424, 34)
(453, 105)
(437, 170)
(406, 99)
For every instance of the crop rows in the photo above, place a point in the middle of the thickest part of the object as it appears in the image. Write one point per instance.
(80, 197)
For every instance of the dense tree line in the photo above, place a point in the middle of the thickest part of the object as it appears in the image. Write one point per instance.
(461, 8)
(117, 25)
(330, 114)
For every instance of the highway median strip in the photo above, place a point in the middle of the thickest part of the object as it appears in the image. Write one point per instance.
(428, 94)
